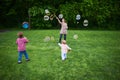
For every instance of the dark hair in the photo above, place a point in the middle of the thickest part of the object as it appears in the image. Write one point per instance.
(20, 34)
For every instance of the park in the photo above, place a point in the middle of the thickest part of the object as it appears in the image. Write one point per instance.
(93, 36)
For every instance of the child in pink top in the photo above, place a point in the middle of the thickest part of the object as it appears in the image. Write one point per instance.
(64, 49)
(21, 42)
(64, 28)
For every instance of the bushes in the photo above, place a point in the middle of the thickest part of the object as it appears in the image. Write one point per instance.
(101, 14)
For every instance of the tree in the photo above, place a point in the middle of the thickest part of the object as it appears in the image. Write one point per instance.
(98, 12)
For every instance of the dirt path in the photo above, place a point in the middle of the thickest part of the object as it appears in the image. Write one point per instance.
(1, 31)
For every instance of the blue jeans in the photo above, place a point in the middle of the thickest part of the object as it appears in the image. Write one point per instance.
(61, 37)
(20, 53)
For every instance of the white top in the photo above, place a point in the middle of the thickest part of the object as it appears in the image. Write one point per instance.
(64, 48)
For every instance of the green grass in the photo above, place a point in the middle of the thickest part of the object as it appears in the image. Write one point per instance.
(95, 55)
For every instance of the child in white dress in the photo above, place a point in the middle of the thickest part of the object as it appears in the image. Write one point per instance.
(64, 49)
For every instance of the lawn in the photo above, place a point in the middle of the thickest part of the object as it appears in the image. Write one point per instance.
(95, 55)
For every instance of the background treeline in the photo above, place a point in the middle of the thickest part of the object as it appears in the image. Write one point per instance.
(101, 14)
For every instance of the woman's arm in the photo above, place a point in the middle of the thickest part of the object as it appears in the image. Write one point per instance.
(58, 19)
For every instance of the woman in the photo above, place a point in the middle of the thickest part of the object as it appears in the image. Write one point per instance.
(63, 30)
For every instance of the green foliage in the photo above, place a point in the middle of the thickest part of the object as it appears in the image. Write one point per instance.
(87, 9)
(98, 12)
(35, 11)
(69, 11)
(37, 17)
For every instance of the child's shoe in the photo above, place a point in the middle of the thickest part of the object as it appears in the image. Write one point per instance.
(27, 59)
(19, 62)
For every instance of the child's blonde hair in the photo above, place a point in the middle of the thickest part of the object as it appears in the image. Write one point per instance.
(64, 41)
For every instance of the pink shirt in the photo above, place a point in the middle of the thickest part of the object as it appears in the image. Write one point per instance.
(64, 28)
(21, 42)
(64, 48)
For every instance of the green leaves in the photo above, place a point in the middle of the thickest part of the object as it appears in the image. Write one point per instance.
(87, 8)
(35, 11)
(97, 11)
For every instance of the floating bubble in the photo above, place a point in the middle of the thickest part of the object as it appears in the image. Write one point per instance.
(25, 25)
(51, 17)
(47, 11)
(85, 23)
(52, 38)
(78, 17)
(75, 36)
(60, 16)
(46, 39)
(46, 17)
(77, 22)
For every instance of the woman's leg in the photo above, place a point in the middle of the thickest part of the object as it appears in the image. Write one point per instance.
(60, 38)
(65, 36)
